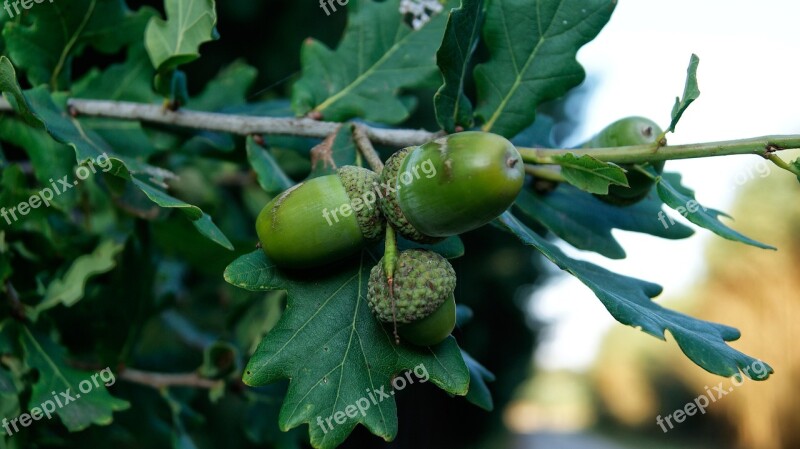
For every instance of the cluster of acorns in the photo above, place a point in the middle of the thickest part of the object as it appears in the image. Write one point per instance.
(478, 176)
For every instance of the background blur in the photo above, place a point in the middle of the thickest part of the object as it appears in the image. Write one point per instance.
(589, 370)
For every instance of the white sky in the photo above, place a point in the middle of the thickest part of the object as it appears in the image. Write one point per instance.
(749, 76)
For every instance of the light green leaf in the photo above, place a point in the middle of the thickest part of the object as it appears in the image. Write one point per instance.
(69, 289)
(201, 220)
(682, 200)
(44, 42)
(629, 302)
(590, 174)
(378, 56)
(532, 44)
(690, 93)
(335, 352)
(176, 41)
(95, 407)
(461, 37)
(270, 176)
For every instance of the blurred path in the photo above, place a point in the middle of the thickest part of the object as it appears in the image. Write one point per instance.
(555, 440)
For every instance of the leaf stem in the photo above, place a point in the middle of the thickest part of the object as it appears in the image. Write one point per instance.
(544, 173)
(782, 164)
(637, 154)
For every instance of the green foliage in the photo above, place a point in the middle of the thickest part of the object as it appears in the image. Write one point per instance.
(377, 57)
(629, 300)
(94, 407)
(681, 198)
(690, 93)
(46, 54)
(586, 223)
(532, 57)
(125, 270)
(590, 174)
(176, 41)
(332, 348)
(461, 37)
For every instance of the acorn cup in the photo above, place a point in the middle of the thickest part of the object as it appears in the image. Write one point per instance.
(420, 300)
(321, 220)
(626, 132)
(451, 185)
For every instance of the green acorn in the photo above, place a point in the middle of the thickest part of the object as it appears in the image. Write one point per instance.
(451, 185)
(419, 298)
(321, 220)
(625, 132)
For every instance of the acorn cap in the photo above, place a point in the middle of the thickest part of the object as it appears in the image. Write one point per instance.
(389, 199)
(423, 281)
(360, 185)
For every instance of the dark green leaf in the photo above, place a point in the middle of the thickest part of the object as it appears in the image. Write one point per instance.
(177, 40)
(334, 351)
(228, 89)
(461, 36)
(590, 174)
(127, 81)
(201, 220)
(378, 56)
(690, 93)
(533, 46)
(44, 43)
(270, 176)
(629, 302)
(479, 393)
(51, 160)
(94, 407)
(796, 164)
(682, 200)
(586, 222)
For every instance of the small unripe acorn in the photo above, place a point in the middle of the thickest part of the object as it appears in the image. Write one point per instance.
(422, 281)
(432, 329)
(450, 185)
(321, 220)
(625, 132)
